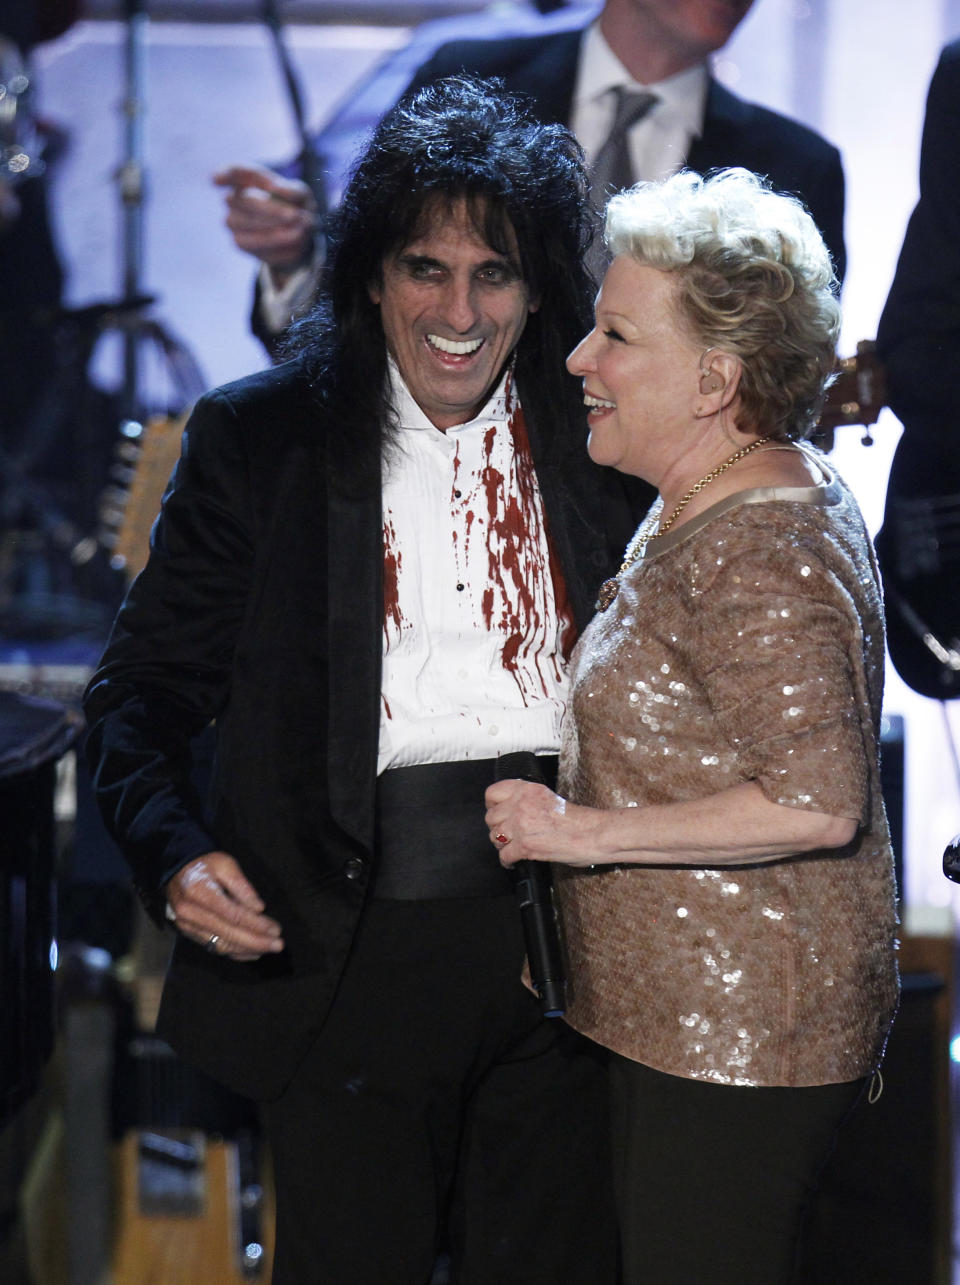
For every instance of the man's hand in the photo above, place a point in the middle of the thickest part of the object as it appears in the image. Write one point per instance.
(214, 904)
(271, 217)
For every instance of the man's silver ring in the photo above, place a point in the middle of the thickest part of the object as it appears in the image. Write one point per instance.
(214, 942)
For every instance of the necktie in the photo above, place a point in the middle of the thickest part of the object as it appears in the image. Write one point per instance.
(611, 170)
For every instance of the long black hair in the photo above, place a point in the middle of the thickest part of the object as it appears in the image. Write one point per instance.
(459, 139)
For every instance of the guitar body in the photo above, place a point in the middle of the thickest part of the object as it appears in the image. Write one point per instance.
(918, 549)
(154, 1246)
(192, 1198)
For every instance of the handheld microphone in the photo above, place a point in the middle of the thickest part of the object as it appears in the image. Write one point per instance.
(538, 913)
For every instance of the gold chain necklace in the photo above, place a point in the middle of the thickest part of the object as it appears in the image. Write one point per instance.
(610, 588)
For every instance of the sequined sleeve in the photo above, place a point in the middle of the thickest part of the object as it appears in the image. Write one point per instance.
(778, 633)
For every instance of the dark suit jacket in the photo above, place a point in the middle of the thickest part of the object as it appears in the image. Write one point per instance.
(261, 607)
(919, 331)
(735, 132)
(919, 343)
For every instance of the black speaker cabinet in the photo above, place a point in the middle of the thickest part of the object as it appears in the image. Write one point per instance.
(33, 734)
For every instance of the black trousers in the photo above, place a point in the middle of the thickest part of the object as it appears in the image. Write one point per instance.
(438, 1109)
(713, 1180)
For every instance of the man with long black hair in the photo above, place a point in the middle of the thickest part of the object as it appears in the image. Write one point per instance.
(370, 566)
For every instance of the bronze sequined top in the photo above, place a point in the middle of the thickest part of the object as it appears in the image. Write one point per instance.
(747, 645)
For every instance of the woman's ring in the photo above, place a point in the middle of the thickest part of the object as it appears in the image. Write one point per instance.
(214, 942)
(501, 839)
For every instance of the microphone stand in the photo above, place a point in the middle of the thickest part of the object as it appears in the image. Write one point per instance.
(308, 159)
(128, 314)
(70, 407)
(130, 177)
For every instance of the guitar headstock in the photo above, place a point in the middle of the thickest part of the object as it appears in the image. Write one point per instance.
(857, 396)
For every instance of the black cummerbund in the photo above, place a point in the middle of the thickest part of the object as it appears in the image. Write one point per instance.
(431, 840)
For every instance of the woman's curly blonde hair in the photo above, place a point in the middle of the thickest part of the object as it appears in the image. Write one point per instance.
(755, 280)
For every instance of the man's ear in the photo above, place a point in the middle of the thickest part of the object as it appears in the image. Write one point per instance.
(375, 291)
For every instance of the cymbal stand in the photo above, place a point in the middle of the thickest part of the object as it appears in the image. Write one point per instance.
(71, 415)
(309, 162)
(131, 182)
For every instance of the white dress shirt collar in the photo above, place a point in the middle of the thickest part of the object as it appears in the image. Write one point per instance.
(498, 407)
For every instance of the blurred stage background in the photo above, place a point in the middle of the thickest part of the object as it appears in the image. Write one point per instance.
(212, 93)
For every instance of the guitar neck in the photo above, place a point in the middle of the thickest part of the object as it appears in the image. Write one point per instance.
(129, 508)
(857, 395)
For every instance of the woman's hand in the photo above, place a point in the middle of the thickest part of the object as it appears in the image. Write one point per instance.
(213, 903)
(735, 826)
(528, 822)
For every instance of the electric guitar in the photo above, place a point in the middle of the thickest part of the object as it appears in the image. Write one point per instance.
(191, 1200)
(128, 508)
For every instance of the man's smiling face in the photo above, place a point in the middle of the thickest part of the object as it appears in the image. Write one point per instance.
(453, 310)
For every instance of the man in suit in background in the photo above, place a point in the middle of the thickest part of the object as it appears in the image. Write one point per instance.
(919, 344)
(575, 77)
(369, 568)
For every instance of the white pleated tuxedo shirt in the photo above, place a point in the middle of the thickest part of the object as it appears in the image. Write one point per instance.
(473, 635)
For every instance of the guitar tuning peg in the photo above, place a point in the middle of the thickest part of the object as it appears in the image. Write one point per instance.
(867, 439)
(114, 497)
(129, 451)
